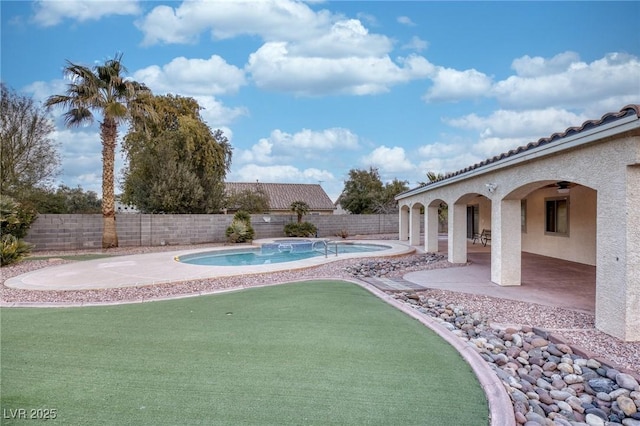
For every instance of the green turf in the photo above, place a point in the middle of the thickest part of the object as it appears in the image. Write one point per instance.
(321, 352)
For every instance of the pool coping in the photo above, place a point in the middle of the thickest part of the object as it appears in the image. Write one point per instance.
(161, 268)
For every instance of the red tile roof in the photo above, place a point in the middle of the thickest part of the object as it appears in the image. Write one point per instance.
(629, 110)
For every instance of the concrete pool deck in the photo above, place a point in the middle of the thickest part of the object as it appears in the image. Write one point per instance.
(157, 268)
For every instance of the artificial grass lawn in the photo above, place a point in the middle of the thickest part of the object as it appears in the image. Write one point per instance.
(320, 352)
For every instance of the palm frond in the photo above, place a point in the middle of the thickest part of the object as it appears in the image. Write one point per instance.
(78, 116)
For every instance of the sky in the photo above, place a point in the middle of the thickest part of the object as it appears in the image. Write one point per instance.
(307, 91)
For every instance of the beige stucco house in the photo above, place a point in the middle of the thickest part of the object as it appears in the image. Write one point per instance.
(574, 195)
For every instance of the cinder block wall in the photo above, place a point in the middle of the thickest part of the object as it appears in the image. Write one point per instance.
(84, 231)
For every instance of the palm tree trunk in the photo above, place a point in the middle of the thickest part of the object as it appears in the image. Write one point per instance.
(108, 134)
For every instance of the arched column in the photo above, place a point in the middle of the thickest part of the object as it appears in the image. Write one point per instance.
(403, 223)
(458, 233)
(506, 243)
(414, 225)
(431, 222)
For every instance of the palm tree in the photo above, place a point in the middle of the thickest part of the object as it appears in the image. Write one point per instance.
(300, 208)
(105, 91)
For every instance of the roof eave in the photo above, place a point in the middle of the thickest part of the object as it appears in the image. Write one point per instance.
(603, 131)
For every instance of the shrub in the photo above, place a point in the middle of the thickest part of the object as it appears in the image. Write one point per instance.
(303, 229)
(15, 218)
(240, 230)
(12, 249)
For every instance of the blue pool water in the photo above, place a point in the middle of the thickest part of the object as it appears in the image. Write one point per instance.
(276, 252)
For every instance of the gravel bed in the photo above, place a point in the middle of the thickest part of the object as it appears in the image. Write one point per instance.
(575, 328)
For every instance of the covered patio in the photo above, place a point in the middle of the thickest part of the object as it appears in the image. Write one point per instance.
(560, 210)
(545, 280)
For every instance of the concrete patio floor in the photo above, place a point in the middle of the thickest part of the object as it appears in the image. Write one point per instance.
(545, 280)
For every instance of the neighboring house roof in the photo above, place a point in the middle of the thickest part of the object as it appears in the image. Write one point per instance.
(627, 111)
(281, 195)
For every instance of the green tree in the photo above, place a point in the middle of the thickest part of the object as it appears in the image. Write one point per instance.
(103, 90)
(176, 164)
(361, 191)
(386, 203)
(433, 177)
(300, 208)
(29, 156)
(63, 200)
(248, 200)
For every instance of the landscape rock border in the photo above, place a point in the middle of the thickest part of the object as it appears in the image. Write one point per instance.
(548, 381)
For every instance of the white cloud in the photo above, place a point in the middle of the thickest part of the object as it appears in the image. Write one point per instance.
(523, 125)
(216, 114)
(324, 140)
(304, 52)
(453, 85)
(270, 19)
(258, 153)
(213, 76)
(416, 44)
(440, 157)
(438, 149)
(565, 81)
(446, 165)
(405, 20)
(274, 68)
(346, 38)
(280, 173)
(41, 90)
(81, 159)
(388, 160)
(527, 66)
(305, 144)
(49, 13)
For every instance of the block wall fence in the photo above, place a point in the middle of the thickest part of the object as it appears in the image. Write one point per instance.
(84, 231)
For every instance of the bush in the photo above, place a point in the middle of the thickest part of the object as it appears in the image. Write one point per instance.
(240, 230)
(15, 218)
(12, 249)
(303, 229)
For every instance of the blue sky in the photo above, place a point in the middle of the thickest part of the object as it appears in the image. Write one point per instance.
(306, 91)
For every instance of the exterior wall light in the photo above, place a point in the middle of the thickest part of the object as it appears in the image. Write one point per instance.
(491, 187)
(563, 187)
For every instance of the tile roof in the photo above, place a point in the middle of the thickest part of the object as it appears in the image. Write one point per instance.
(629, 110)
(281, 195)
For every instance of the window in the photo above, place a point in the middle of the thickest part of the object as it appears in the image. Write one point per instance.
(523, 216)
(557, 216)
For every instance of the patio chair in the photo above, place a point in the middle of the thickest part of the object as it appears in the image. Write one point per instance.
(483, 237)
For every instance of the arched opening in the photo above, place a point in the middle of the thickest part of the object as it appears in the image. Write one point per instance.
(436, 225)
(556, 221)
(404, 222)
(415, 224)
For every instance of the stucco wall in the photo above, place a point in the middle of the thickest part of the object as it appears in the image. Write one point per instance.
(73, 232)
(580, 244)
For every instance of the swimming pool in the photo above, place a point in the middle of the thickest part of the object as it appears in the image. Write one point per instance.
(279, 251)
